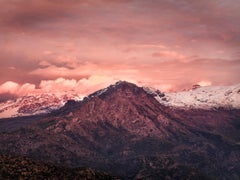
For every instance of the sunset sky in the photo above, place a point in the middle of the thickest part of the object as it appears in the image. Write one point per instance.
(84, 45)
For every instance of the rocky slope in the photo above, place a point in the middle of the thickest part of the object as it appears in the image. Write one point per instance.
(124, 130)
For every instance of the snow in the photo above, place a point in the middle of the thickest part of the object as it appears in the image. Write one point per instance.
(34, 104)
(150, 90)
(204, 97)
(10, 112)
(101, 91)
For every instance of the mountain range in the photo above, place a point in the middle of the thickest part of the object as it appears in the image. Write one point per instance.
(136, 133)
(196, 98)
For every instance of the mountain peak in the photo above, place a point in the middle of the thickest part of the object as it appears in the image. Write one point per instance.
(122, 104)
(124, 85)
(121, 82)
(118, 86)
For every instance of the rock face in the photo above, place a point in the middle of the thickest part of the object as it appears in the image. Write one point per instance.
(125, 131)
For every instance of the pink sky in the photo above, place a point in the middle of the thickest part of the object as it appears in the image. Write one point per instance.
(69, 45)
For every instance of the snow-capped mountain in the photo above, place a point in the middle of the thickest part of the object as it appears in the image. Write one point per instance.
(197, 98)
(34, 104)
(201, 98)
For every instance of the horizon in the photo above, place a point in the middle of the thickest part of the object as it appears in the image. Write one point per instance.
(82, 46)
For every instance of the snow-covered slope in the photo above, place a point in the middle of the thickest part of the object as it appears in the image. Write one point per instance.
(34, 104)
(203, 97)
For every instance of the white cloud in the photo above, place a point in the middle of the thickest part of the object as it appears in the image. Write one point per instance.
(27, 88)
(9, 87)
(15, 88)
(58, 85)
(205, 83)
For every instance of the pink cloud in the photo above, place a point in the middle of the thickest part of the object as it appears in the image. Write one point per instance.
(168, 54)
(61, 85)
(26, 88)
(164, 75)
(205, 83)
(9, 87)
(85, 44)
(15, 88)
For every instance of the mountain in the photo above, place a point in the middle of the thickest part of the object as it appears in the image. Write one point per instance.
(201, 97)
(34, 104)
(124, 130)
(196, 98)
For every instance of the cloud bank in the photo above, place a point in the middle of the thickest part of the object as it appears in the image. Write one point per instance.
(167, 44)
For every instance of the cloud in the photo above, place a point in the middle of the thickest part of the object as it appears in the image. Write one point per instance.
(167, 44)
(28, 14)
(61, 85)
(172, 55)
(27, 88)
(204, 83)
(165, 75)
(9, 87)
(83, 86)
(44, 64)
(47, 52)
(55, 72)
(15, 88)
(80, 70)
